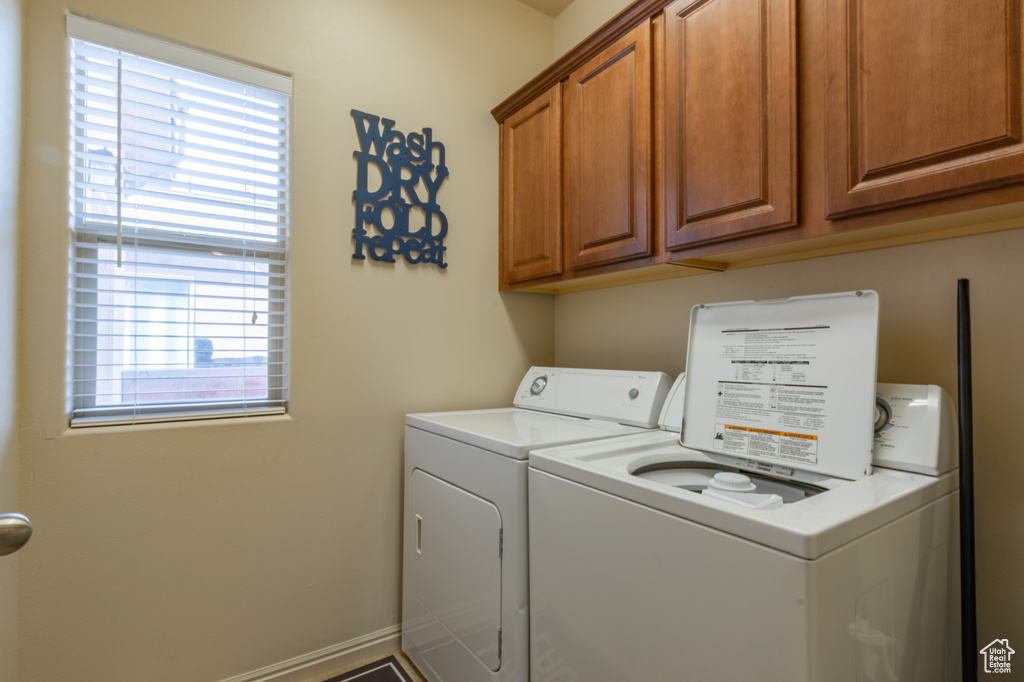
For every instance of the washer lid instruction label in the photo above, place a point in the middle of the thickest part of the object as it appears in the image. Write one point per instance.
(775, 377)
(783, 381)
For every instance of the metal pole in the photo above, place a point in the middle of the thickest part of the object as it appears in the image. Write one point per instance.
(968, 603)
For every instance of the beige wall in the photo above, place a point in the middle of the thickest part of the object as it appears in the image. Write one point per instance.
(203, 551)
(580, 19)
(10, 128)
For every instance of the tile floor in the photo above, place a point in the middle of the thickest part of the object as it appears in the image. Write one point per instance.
(409, 668)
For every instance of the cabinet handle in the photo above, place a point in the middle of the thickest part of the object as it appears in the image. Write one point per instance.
(15, 530)
(419, 535)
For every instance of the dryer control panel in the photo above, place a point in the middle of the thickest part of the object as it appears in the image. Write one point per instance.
(632, 398)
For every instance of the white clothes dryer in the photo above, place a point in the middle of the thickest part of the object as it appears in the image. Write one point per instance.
(640, 573)
(464, 578)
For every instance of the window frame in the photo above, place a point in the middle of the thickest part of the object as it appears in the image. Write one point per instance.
(84, 312)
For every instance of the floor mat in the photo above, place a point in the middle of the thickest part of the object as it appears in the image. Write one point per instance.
(385, 670)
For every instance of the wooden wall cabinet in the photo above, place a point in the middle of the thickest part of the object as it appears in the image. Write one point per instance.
(692, 135)
(730, 113)
(531, 191)
(923, 101)
(607, 104)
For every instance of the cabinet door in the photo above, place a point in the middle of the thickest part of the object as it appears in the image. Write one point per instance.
(531, 199)
(730, 119)
(608, 154)
(922, 100)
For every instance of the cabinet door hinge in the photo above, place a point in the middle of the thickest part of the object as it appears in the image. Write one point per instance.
(501, 542)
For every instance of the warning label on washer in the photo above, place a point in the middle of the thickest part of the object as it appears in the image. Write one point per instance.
(781, 445)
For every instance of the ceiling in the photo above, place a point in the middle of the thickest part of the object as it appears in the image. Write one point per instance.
(552, 8)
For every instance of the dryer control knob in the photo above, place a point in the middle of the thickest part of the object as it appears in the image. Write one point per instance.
(737, 483)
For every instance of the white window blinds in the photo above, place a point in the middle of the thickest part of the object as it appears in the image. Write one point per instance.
(179, 212)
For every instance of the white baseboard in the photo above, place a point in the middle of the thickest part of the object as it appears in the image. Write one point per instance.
(361, 649)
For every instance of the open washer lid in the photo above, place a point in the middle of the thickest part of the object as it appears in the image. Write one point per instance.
(785, 383)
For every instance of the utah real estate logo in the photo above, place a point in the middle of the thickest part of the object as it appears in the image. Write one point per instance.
(997, 656)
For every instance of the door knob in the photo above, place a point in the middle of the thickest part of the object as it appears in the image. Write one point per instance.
(15, 530)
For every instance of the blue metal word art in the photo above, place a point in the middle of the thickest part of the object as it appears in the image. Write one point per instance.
(407, 165)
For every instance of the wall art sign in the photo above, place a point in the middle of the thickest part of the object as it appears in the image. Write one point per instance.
(401, 216)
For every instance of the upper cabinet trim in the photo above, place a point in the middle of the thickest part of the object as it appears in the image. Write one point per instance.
(621, 24)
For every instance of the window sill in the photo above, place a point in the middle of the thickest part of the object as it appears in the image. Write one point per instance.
(156, 422)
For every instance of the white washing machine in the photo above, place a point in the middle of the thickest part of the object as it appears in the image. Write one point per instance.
(464, 579)
(651, 561)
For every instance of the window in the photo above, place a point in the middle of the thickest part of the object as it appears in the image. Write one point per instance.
(179, 213)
